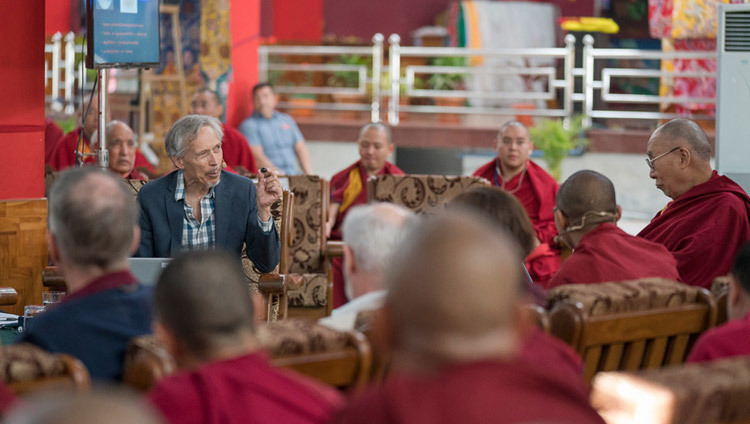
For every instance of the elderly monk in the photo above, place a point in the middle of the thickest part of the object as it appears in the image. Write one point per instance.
(586, 215)
(708, 218)
(81, 140)
(225, 376)
(236, 150)
(93, 228)
(513, 171)
(455, 346)
(122, 149)
(201, 206)
(733, 337)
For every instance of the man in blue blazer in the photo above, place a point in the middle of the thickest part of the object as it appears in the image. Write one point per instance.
(200, 206)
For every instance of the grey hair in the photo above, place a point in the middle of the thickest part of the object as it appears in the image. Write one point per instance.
(185, 131)
(511, 124)
(378, 126)
(92, 216)
(686, 130)
(373, 235)
(110, 127)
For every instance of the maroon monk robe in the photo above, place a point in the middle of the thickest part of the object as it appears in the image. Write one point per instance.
(608, 253)
(339, 184)
(64, 155)
(542, 263)
(536, 193)
(243, 390)
(479, 392)
(703, 229)
(236, 150)
(542, 348)
(52, 134)
(724, 341)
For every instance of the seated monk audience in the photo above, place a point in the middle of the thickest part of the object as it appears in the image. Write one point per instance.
(52, 134)
(122, 147)
(349, 188)
(733, 337)
(513, 171)
(586, 215)
(708, 218)
(225, 377)
(234, 146)
(201, 206)
(453, 314)
(371, 234)
(505, 210)
(93, 228)
(82, 140)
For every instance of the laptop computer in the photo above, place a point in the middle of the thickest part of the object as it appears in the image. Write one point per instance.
(148, 270)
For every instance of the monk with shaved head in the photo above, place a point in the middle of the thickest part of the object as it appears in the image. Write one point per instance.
(204, 315)
(452, 313)
(708, 218)
(586, 215)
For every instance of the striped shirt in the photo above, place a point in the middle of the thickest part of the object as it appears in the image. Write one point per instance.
(196, 234)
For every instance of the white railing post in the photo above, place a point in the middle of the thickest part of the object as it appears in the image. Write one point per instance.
(70, 63)
(263, 64)
(377, 66)
(569, 64)
(588, 79)
(394, 57)
(56, 41)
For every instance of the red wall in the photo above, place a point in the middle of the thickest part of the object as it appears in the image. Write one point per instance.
(22, 111)
(245, 23)
(57, 16)
(298, 20)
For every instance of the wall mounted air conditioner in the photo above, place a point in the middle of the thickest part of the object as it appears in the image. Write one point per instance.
(733, 93)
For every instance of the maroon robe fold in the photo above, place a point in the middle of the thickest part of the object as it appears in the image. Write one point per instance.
(536, 193)
(243, 390)
(236, 150)
(703, 229)
(339, 184)
(542, 263)
(52, 134)
(724, 341)
(608, 253)
(480, 392)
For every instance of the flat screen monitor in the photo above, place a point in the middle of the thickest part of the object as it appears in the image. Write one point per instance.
(122, 33)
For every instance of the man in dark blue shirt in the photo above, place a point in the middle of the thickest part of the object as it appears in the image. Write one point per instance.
(93, 229)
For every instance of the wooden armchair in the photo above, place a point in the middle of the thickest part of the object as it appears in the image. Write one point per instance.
(720, 291)
(341, 359)
(705, 393)
(26, 368)
(630, 325)
(423, 194)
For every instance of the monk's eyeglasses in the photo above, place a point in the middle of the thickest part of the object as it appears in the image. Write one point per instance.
(650, 162)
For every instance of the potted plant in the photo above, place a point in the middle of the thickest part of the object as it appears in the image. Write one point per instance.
(348, 79)
(445, 82)
(555, 140)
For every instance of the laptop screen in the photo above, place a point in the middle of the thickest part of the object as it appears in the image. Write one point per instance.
(148, 270)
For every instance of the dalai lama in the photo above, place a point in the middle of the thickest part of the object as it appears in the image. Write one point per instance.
(708, 218)
(514, 172)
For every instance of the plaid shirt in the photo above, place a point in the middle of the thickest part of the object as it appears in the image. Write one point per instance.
(195, 234)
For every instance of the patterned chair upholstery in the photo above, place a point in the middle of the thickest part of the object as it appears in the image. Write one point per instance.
(705, 393)
(630, 325)
(135, 186)
(341, 359)
(281, 212)
(26, 368)
(423, 194)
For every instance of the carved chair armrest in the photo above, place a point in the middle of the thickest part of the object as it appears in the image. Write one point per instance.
(8, 296)
(334, 248)
(52, 278)
(279, 283)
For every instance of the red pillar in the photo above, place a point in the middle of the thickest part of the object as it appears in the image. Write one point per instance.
(22, 111)
(245, 23)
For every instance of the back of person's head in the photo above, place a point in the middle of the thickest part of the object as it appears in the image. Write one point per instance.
(453, 291)
(373, 232)
(502, 209)
(186, 130)
(741, 268)
(202, 297)
(683, 130)
(104, 405)
(92, 217)
(587, 198)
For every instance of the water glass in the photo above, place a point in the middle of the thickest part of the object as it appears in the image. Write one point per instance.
(52, 297)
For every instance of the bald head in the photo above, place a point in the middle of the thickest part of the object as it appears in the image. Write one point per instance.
(203, 299)
(590, 194)
(684, 133)
(452, 291)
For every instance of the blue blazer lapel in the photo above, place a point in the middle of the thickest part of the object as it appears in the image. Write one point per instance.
(175, 217)
(222, 211)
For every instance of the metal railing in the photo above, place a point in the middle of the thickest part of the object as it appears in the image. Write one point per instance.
(61, 74)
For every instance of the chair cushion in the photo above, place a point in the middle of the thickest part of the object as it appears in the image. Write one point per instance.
(251, 272)
(134, 186)
(25, 362)
(297, 336)
(421, 193)
(307, 244)
(624, 296)
(311, 293)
